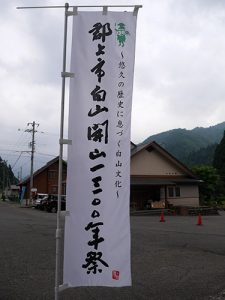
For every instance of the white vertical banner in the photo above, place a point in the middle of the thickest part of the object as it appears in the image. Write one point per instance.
(97, 228)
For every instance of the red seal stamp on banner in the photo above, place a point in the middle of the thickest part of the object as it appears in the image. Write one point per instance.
(116, 275)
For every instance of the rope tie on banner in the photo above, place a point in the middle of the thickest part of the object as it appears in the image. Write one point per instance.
(67, 74)
(65, 213)
(105, 10)
(75, 11)
(63, 287)
(65, 142)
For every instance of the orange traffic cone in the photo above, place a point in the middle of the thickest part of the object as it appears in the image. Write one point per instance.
(199, 219)
(162, 219)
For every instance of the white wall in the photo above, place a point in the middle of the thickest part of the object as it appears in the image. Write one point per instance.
(153, 163)
(189, 196)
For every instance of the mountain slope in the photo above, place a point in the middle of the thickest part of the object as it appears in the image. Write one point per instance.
(188, 145)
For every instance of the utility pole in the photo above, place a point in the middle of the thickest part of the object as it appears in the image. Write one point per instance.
(33, 130)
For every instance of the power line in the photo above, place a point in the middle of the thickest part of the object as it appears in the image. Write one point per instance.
(17, 160)
(10, 150)
(21, 137)
(46, 154)
(22, 165)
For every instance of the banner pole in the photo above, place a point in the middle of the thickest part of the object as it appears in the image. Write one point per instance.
(62, 141)
(58, 229)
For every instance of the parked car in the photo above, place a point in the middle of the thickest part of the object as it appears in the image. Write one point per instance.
(38, 198)
(43, 203)
(51, 205)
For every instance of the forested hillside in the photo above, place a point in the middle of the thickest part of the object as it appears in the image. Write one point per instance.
(192, 147)
(6, 175)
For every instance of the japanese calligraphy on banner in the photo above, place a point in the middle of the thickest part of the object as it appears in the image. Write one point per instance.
(97, 228)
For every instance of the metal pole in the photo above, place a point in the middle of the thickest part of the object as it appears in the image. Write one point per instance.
(58, 229)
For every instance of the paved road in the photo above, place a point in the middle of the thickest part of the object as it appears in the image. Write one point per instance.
(175, 260)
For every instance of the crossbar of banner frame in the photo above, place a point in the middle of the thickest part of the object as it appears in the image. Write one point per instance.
(82, 6)
(63, 141)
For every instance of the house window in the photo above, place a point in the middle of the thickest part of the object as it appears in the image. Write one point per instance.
(52, 174)
(174, 191)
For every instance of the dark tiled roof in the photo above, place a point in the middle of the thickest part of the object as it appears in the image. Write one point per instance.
(48, 164)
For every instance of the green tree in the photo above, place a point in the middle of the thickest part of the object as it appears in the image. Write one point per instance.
(210, 186)
(6, 175)
(203, 156)
(219, 158)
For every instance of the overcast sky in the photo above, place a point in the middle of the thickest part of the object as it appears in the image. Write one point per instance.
(179, 71)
